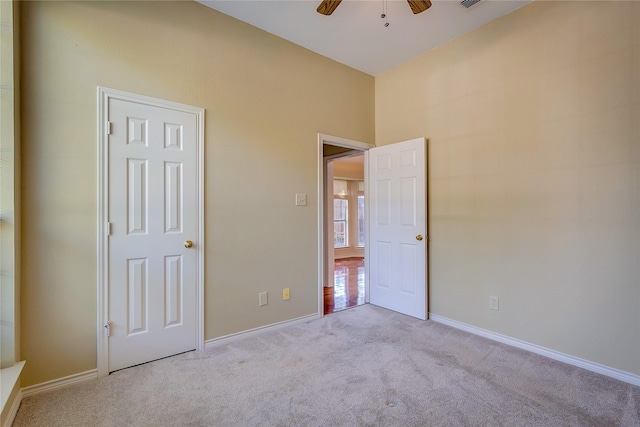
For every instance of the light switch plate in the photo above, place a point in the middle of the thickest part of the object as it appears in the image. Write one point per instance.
(301, 200)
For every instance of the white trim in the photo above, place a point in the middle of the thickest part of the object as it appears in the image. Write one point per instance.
(343, 142)
(59, 383)
(9, 377)
(93, 374)
(102, 349)
(346, 143)
(10, 382)
(627, 377)
(367, 232)
(257, 331)
(13, 410)
(104, 95)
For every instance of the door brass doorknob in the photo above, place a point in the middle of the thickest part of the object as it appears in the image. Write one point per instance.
(419, 237)
(188, 244)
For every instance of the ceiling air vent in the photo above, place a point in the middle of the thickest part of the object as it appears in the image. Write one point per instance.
(468, 3)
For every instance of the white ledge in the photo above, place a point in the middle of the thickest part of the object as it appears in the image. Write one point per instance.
(8, 379)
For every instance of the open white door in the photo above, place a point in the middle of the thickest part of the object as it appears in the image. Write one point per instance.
(398, 226)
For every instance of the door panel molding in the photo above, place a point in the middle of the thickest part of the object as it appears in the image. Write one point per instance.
(398, 221)
(138, 133)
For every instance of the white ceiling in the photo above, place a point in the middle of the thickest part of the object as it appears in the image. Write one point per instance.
(355, 34)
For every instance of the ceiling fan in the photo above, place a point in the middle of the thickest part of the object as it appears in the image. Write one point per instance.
(328, 6)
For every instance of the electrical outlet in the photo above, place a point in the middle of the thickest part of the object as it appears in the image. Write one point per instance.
(285, 294)
(494, 303)
(262, 298)
(301, 200)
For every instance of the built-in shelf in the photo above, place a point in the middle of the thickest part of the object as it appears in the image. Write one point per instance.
(8, 379)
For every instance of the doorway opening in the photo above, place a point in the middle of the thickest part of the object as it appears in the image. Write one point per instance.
(345, 288)
(342, 227)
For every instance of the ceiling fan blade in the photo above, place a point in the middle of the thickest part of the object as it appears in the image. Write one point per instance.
(418, 6)
(328, 6)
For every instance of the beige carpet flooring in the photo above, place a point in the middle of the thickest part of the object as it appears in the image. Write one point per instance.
(360, 367)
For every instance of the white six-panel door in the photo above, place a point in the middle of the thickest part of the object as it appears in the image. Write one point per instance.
(398, 226)
(152, 211)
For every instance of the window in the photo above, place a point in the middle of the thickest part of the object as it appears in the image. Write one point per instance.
(8, 176)
(348, 227)
(340, 223)
(361, 221)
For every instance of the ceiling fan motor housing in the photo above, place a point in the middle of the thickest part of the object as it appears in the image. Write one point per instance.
(417, 6)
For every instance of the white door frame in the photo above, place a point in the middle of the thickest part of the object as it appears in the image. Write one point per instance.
(355, 145)
(104, 95)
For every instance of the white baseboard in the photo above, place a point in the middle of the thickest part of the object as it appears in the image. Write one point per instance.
(13, 410)
(44, 387)
(533, 348)
(10, 392)
(9, 378)
(93, 374)
(256, 331)
(59, 383)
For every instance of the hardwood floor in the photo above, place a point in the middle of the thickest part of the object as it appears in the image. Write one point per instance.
(348, 290)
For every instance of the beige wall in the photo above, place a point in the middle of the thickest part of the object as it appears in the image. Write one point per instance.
(265, 100)
(534, 129)
(534, 135)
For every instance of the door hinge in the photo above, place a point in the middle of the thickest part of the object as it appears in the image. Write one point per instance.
(108, 128)
(107, 327)
(108, 229)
